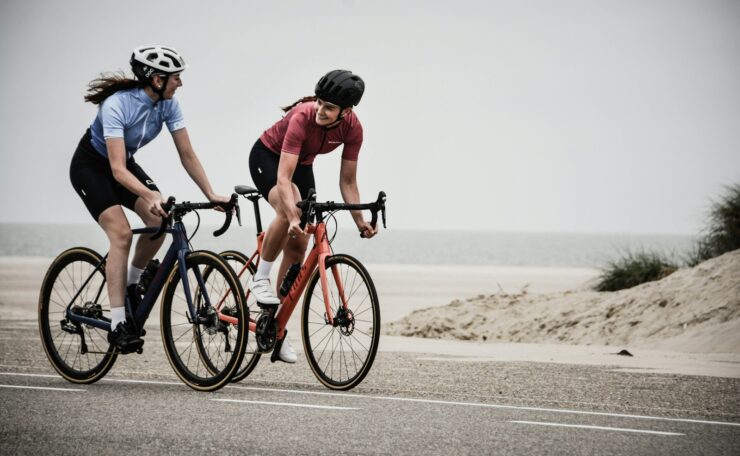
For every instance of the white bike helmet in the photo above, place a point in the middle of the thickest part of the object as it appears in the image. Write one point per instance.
(147, 61)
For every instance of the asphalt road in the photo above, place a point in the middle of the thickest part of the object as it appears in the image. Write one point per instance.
(408, 404)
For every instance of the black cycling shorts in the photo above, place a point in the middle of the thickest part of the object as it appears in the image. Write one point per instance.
(93, 179)
(263, 165)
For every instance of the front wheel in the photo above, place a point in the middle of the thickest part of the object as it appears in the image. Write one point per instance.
(76, 279)
(340, 352)
(202, 349)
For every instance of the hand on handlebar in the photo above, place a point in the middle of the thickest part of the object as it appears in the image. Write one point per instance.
(220, 200)
(294, 229)
(367, 230)
(154, 203)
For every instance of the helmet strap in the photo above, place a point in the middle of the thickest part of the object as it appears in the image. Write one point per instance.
(160, 90)
(337, 122)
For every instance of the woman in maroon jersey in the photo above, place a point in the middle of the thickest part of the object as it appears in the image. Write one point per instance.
(281, 167)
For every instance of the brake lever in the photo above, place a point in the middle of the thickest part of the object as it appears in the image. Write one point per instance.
(381, 203)
(307, 206)
(167, 207)
(229, 214)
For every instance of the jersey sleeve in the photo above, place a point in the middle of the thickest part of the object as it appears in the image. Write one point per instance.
(173, 116)
(295, 134)
(111, 117)
(353, 143)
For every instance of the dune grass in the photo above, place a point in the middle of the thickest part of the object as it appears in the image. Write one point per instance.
(722, 233)
(632, 269)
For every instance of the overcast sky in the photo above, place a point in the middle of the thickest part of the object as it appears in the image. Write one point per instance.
(542, 115)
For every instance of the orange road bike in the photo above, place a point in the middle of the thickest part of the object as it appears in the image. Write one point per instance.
(340, 319)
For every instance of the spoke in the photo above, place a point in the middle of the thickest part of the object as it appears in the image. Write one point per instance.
(366, 334)
(358, 306)
(323, 326)
(326, 338)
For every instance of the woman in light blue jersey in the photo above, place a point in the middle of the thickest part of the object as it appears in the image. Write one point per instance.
(104, 174)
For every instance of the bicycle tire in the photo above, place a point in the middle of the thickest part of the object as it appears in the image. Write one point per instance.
(237, 260)
(182, 336)
(352, 347)
(64, 350)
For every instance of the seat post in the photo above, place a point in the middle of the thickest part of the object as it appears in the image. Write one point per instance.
(258, 219)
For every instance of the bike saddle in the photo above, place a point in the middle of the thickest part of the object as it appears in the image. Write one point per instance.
(245, 190)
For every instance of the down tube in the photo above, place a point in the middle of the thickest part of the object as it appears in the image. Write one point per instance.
(290, 301)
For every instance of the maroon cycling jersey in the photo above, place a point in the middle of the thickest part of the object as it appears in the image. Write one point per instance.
(297, 133)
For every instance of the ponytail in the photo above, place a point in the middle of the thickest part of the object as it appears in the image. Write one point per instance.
(302, 100)
(107, 84)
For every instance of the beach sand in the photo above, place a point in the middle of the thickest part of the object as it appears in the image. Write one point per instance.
(692, 314)
(470, 302)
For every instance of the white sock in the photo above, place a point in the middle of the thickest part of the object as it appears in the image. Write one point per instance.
(263, 270)
(117, 315)
(134, 274)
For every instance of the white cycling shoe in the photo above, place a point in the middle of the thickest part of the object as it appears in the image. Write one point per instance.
(287, 354)
(262, 291)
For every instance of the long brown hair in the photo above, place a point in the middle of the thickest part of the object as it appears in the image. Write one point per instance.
(302, 100)
(107, 84)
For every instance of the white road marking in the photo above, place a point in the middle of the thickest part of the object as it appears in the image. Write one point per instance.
(14, 374)
(41, 388)
(425, 401)
(601, 428)
(287, 404)
(497, 406)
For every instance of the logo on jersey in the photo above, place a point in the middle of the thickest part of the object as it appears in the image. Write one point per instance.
(335, 142)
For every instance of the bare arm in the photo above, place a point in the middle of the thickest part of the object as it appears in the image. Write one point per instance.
(117, 157)
(286, 168)
(192, 165)
(351, 195)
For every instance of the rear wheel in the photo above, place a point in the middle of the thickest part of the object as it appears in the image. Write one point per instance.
(79, 352)
(203, 350)
(341, 352)
(238, 261)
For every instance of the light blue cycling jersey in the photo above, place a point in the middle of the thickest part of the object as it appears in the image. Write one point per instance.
(132, 115)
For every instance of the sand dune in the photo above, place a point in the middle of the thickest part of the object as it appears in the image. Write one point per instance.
(693, 310)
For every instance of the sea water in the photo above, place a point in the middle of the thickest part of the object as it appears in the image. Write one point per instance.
(389, 247)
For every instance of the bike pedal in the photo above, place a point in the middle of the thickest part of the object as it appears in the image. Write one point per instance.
(275, 356)
(132, 348)
(276, 349)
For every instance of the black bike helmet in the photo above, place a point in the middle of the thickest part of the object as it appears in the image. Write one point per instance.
(340, 87)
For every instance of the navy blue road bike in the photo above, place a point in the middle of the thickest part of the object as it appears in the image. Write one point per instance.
(205, 346)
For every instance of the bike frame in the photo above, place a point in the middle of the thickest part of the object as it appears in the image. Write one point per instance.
(176, 254)
(316, 259)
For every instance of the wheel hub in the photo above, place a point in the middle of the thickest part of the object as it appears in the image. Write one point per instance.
(345, 321)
